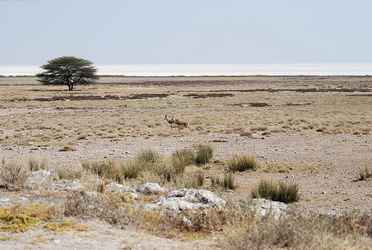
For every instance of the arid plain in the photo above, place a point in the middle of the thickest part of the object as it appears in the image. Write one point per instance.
(312, 131)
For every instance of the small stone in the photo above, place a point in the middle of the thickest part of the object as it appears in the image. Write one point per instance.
(118, 188)
(38, 179)
(151, 188)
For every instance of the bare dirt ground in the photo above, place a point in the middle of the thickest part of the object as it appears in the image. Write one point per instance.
(315, 131)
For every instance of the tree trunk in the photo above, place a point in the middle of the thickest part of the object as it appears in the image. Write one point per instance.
(70, 87)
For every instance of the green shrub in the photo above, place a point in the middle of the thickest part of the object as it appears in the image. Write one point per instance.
(277, 191)
(241, 163)
(204, 153)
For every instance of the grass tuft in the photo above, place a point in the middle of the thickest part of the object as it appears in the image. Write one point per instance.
(364, 174)
(204, 153)
(13, 175)
(181, 159)
(148, 156)
(241, 163)
(35, 164)
(227, 182)
(277, 191)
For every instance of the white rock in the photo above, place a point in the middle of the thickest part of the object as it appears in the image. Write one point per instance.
(263, 207)
(67, 185)
(189, 199)
(178, 204)
(38, 179)
(151, 188)
(198, 196)
(118, 188)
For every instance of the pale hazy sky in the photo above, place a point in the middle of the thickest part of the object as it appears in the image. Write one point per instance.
(186, 31)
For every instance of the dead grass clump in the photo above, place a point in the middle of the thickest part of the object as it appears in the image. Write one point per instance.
(299, 232)
(22, 218)
(365, 174)
(67, 148)
(13, 175)
(204, 153)
(65, 225)
(194, 180)
(148, 156)
(277, 191)
(104, 169)
(241, 163)
(131, 169)
(181, 159)
(227, 182)
(36, 164)
(98, 205)
(91, 182)
(165, 170)
(66, 173)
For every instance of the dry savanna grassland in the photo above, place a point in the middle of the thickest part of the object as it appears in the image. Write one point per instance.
(75, 165)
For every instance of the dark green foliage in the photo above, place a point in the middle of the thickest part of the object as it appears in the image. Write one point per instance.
(68, 71)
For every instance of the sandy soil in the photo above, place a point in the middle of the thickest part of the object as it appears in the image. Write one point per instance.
(319, 128)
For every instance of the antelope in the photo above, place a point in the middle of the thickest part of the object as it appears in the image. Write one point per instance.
(172, 121)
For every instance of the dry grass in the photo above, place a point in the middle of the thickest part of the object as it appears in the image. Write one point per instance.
(227, 182)
(104, 169)
(69, 173)
(22, 218)
(148, 156)
(365, 174)
(204, 153)
(277, 191)
(65, 225)
(181, 159)
(132, 169)
(36, 164)
(13, 174)
(298, 232)
(241, 163)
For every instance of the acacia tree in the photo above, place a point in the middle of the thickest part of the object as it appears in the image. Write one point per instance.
(68, 71)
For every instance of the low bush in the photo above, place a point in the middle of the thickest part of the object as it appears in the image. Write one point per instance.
(365, 174)
(204, 153)
(36, 164)
(301, 232)
(148, 156)
(13, 175)
(181, 159)
(67, 173)
(22, 218)
(277, 191)
(131, 169)
(241, 163)
(227, 182)
(104, 169)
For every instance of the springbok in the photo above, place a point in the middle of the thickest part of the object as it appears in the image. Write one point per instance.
(172, 121)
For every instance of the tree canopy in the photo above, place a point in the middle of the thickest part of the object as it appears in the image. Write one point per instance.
(68, 71)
